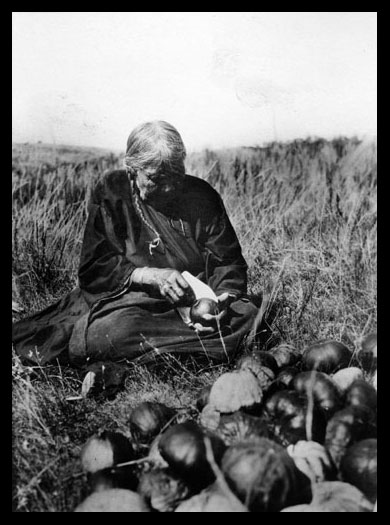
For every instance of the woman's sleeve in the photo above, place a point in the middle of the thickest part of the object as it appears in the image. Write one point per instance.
(104, 269)
(226, 269)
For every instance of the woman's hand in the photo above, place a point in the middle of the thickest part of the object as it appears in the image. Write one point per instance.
(213, 322)
(169, 282)
(224, 300)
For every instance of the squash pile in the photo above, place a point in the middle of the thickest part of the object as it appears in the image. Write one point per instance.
(282, 431)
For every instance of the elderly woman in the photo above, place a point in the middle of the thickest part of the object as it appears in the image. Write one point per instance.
(147, 224)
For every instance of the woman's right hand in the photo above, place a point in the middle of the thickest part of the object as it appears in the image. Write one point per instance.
(169, 282)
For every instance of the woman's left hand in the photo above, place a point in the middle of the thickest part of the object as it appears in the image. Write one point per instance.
(224, 300)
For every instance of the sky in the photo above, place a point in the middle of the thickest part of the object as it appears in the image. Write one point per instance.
(222, 79)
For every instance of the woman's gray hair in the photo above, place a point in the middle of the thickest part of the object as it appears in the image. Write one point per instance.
(156, 147)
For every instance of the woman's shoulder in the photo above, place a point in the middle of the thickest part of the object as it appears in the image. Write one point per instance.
(197, 188)
(112, 182)
(115, 177)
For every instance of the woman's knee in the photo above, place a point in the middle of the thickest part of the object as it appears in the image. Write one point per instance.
(111, 334)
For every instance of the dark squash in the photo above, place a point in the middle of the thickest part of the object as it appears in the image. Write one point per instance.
(283, 381)
(126, 477)
(339, 435)
(359, 467)
(264, 477)
(104, 450)
(361, 419)
(200, 308)
(346, 427)
(183, 448)
(308, 423)
(327, 356)
(274, 388)
(104, 380)
(147, 419)
(284, 403)
(286, 376)
(285, 355)
(263, 358)
(324, 391)
(240, 427)
(361, 394)
(367, 355)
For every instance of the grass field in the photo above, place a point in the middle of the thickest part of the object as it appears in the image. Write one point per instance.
(305, 214)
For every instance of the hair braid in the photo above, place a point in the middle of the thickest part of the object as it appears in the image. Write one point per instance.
(156, 241)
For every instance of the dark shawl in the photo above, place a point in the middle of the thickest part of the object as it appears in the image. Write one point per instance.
(196, 235)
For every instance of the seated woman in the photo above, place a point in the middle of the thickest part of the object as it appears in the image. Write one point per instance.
(147, 223)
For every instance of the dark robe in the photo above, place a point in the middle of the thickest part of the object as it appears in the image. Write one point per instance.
(107, 317)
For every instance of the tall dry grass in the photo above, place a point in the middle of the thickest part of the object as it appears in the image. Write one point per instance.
(50, 193)
(305, 214)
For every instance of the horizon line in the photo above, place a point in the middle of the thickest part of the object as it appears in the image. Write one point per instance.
(309, 138)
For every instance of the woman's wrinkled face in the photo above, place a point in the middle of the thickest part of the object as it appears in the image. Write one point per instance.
(157, 186)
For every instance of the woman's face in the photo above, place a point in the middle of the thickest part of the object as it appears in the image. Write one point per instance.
(156, 187)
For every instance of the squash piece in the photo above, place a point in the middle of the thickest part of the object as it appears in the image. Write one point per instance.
(104, 450)
(235, 390)
(113, 500)
(313, 460)
(334, 496)
(212, 499)
(162, 489)
(346, 376)
(262, 373)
